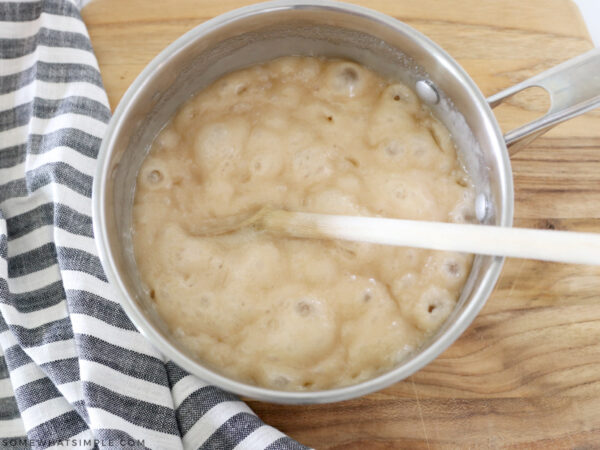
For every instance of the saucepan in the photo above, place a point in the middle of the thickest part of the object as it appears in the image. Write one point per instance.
(265, 31)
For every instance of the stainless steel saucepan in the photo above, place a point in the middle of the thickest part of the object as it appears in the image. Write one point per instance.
(265, 31)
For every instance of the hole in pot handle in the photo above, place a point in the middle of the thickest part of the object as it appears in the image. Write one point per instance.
(574, 88)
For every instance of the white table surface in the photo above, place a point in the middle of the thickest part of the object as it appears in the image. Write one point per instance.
(590, 10)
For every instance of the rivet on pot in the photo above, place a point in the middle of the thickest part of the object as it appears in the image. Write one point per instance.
(481, 207)
(427, 92)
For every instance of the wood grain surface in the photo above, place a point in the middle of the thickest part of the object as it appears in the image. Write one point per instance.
(526, 374)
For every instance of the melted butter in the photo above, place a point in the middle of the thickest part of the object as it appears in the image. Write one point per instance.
(302, 134)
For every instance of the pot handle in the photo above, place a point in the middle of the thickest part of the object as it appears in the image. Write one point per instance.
(574, 88)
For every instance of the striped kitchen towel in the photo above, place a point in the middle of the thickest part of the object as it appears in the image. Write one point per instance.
(73, 369)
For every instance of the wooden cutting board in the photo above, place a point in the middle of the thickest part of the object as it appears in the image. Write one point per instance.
(526, 374)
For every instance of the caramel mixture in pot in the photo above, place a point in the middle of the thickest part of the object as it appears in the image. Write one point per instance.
(303, 134)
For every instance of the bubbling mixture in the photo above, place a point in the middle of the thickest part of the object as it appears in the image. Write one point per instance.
(302, 134)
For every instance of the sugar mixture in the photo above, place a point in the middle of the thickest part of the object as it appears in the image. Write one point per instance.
(303, 134)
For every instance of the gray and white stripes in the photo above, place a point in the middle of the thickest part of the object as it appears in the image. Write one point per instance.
(73, 369)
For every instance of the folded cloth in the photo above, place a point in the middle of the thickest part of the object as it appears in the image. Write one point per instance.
(74, 371)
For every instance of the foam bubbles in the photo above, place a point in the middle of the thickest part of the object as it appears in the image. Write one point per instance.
(302, 134)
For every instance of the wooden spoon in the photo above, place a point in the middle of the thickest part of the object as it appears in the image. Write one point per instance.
(545, 245)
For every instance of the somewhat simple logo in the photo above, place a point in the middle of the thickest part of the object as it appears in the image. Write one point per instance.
(76, 443)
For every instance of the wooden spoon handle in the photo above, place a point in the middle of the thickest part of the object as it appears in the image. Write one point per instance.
(546, 245)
